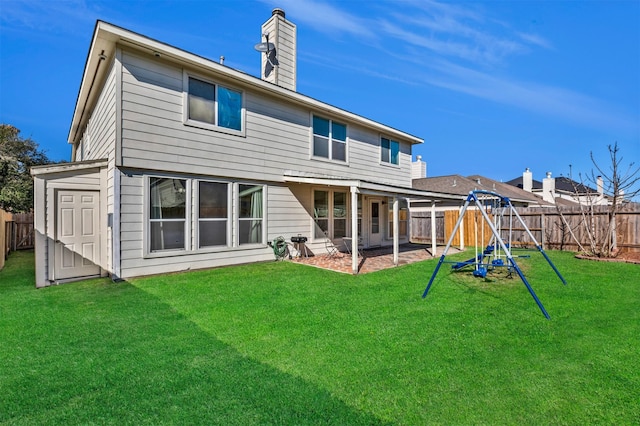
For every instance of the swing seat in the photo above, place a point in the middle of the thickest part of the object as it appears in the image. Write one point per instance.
(471, 261)
(497, 262)
(481, 272)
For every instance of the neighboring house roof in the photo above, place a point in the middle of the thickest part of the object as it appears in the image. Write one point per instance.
(460, 185)
(506, 190)
(570, 185)
(562, 184)
(517, 182)
(103, 48)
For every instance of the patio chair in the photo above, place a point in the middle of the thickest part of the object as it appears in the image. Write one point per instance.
(347, 245)
(332, 249)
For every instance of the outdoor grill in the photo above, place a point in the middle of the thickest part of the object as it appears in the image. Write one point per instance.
(300, 241)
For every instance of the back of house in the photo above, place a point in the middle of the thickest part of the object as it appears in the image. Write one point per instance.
(180, 162)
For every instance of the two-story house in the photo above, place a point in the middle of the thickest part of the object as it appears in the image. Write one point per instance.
(180, 162)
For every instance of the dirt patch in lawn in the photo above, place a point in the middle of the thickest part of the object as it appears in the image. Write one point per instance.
(628, 257)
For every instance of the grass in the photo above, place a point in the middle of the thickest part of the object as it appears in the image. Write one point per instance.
(282, 343)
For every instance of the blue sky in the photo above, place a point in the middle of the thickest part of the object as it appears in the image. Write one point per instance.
(492, 87)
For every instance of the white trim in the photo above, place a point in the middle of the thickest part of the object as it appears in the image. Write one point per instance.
(68, 167)
(388, 163)
(196, 217)
(116, 258)
(208, 126)
(330, 140)
(365, 187)
(186, 248)
(118, 83)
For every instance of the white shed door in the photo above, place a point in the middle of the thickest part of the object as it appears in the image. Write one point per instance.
(77, 238)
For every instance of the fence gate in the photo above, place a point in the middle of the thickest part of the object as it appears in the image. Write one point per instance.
(22, 232)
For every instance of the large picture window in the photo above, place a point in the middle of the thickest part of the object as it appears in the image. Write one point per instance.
(167, 214)
(250, 214)
(339, 214)
(329, 139)
(196, 214)
(330, 213)
(213, 214)
(321, 212)
(214, 104)
(389, 151)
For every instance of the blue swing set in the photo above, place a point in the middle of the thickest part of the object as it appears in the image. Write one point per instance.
(495, 253)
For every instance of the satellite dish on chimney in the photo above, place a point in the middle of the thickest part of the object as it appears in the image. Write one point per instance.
(269, 49)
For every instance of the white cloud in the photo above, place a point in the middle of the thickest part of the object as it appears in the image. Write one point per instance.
(535, 97)
(46, 16)
(324, 17)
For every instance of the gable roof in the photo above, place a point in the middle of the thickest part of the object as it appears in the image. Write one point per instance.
(106, 37)
(460, 185)
(569, 185)
(562, 184)
(517, 182)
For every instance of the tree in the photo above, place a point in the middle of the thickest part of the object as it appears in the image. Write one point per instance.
(17, 156)
(621, 184)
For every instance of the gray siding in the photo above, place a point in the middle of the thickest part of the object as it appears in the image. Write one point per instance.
(284, 216)
(99, 142)
(277, 135)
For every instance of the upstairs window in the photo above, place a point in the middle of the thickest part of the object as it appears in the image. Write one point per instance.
(329, 139)
(214, 104)
(389, 151)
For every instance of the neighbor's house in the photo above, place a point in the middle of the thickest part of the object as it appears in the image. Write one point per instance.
(462, 186)
(457, 189)
(180, 162)
(562, 191)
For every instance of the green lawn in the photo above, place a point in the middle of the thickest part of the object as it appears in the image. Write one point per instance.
(283, 343)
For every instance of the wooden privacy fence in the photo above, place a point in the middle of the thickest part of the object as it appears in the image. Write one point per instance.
(556, 228)
(550, 227)
(22, 237)
(16, 233)
(5, 235)
(421, 227)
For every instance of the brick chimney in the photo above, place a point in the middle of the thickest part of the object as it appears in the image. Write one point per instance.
(282, 33)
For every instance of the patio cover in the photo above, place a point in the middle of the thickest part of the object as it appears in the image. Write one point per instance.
(358, 186)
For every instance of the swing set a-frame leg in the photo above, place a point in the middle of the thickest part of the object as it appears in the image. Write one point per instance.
(498, 239)
(446, 249)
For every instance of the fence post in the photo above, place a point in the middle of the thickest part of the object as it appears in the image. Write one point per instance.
(542, 229)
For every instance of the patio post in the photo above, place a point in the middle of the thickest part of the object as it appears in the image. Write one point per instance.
(396, 231)
(354, 230)
(433, 229)
(461, 229)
